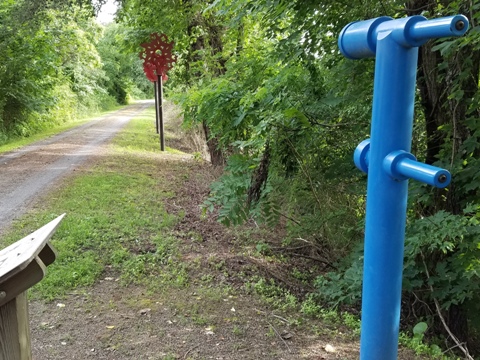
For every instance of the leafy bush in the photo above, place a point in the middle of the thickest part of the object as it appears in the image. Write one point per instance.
(452, 278)
(442, 255)
(51, 69)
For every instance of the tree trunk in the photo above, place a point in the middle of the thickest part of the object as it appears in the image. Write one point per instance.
(216, 155)
(198, 45)
(240, 39)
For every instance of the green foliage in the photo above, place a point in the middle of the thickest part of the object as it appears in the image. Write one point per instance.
(49, 50)
(447, 247)
(343, 287)
(453, 276)
(51, 71)
(273, 294)
(230, 191)
(419, 329)
(261, 101)
(262, 248)
(142, 267)
(267, 83)
(417, 344)
(124, 78)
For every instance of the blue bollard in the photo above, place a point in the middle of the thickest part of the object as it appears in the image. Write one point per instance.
(389, 164)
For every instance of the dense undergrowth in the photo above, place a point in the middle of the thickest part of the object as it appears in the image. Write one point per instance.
(283, 112)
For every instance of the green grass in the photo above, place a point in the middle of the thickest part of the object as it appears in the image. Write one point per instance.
(115, 219)
(141, 136)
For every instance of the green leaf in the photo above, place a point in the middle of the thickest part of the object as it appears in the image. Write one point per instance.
(420, 328)
(240, 118)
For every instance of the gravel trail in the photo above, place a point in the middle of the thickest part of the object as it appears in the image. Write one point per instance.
(26, 174)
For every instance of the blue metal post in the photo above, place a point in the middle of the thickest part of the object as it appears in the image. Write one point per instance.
(386, 158)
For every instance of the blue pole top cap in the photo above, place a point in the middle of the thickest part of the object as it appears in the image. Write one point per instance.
(358, 40)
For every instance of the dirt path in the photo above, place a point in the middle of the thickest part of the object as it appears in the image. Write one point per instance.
(30, 171)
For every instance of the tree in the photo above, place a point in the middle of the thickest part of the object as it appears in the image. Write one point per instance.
(198, 38)
(50, 69)
(124, 75)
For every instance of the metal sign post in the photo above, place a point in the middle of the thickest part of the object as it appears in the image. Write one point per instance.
(158, 59)
(156, 107)
(159, 104)
(149, 70)
(387, 159)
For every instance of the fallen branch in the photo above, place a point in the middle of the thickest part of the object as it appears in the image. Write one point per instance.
(282, 319)
(280, 336)
(442, 319)
(273, 327)
(316, 259)
(292, 248)
(190, 350)
(312, 244)
(272, 314)
(287, 217)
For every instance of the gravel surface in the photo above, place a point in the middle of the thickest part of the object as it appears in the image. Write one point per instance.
(28, 173)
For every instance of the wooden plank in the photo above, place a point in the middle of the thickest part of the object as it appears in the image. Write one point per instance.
(48, 254)
(22, 265)
(23, 326)
(15, 330)
(17, 256)
(22, 281)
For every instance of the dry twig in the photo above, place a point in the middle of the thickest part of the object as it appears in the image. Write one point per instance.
(190, 350)
(272, 314)
(442, 319)
(280, 336)
(273, 327)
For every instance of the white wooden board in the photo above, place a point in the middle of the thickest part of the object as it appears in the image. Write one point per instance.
(17, 256)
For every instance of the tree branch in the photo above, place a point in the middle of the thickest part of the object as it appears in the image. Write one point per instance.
(442, 319)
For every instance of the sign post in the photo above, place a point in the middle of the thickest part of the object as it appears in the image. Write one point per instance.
(159, 107)
(149, 71)
(158, 59)
(157, 111)
(387, 159)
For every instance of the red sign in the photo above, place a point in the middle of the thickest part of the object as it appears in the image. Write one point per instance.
(149, 71)
(157, 57)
